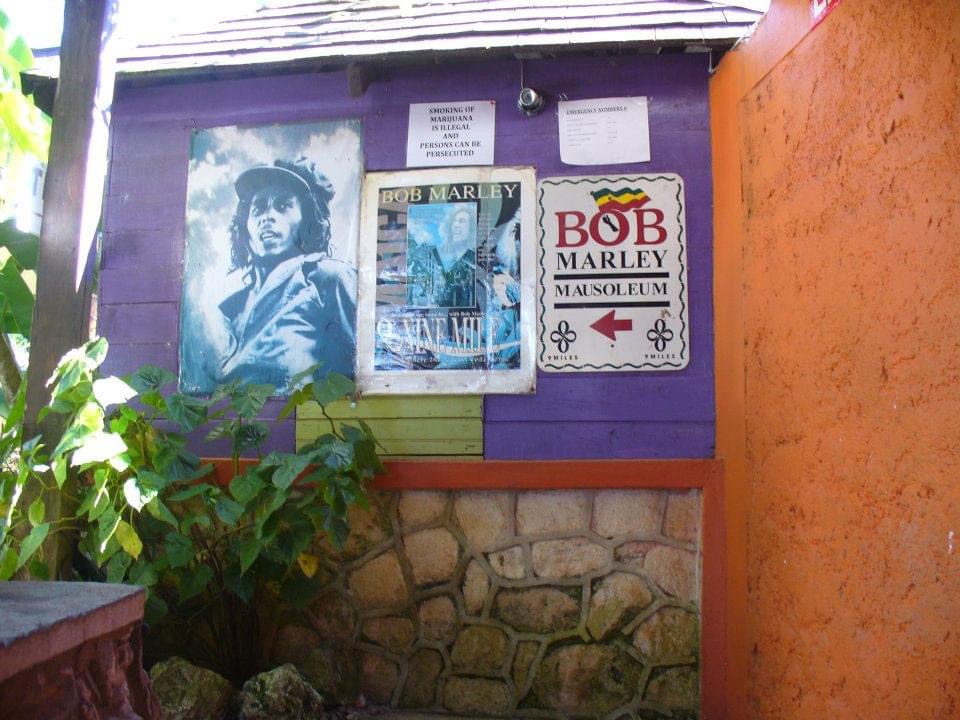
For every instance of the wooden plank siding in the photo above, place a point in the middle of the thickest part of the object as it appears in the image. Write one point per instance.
(406, 426)
(575, 415)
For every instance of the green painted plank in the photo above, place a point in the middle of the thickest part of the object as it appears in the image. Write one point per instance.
(399, 406)
(395, 449)
(405, 429)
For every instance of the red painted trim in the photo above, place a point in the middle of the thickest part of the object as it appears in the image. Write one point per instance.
(597, 475)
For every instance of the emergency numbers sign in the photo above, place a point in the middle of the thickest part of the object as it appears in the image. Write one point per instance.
(613, 273)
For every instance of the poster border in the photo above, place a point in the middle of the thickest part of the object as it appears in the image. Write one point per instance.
(460, 382)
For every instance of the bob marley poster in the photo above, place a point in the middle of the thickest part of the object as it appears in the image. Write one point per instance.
(270, 281)
(446, 281)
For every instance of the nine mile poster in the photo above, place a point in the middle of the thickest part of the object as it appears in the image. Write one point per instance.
(447, 281)
(613, 273)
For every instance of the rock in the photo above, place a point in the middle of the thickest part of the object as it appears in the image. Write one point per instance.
(539, 610)
(396, 634)
(508, 563)
(669, 634)
(420, 690)
(378, 678)
(333, 618)
(567, 558)
(620, 512)
(433, 555)
(522, 662)
(676, 689)
(379, 584)
(280, 693)
(293, 643)
(675, 571)
(475, 587)
(543, 512)
(188, 692)
(476, 696)
(586, 680)
(335, 674)
(480, 650)
(615, 599)
(633, 553)
(420, 507)
(682, 520)
(484, 519)
(438, 619)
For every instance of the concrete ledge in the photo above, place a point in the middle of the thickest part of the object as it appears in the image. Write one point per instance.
(41, 620)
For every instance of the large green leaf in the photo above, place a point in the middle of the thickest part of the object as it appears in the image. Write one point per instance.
(179, 549)
(117, 566)
(191, 491)
(161, 512)
(245, 487)
(248, 550)
(229, 511)
(143, 573)
(129, 539)
(112, 391)
(188, 412)
(8, 562)
(98, 447)
(18, 299)
(288, 470)
(36, 512)
(23, 246)
(248, 400)
(31, 543)
(150, 377)
(195, 582)
(137, 493)
(14, 45)
(155, 609)
(250, 436)
(333, 387)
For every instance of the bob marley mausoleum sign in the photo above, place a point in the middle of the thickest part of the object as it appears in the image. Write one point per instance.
(446, 281)
(613, 274)
(269, 279)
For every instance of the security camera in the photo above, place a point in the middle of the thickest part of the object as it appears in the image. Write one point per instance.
(530, 102)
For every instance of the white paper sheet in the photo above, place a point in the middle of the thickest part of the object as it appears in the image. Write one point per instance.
(608, 131)
(441, 134)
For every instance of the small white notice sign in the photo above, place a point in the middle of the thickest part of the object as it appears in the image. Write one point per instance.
(609, 131)
(451, 133)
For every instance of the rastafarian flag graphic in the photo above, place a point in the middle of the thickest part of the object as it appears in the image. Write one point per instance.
(621, 200)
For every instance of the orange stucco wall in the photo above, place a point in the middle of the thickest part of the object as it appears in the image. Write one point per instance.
(837, 280)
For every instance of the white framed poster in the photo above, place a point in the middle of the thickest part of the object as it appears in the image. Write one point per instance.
(613, 273)
(446, 298)
(269, 273)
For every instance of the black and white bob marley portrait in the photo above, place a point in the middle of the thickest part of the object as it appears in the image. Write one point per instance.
(270, 280)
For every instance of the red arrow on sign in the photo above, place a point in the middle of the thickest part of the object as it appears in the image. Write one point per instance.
(609, 325)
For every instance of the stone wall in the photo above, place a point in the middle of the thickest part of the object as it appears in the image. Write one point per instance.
(552, 604)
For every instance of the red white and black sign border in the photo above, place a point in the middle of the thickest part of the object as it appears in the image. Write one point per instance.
(680, 240)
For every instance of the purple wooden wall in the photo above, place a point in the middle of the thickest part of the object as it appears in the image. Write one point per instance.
(576, 415)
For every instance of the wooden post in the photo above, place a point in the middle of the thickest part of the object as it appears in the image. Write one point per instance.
(72, 199)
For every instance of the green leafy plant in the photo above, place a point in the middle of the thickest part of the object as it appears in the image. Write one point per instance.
(150, 513)
(24, 140)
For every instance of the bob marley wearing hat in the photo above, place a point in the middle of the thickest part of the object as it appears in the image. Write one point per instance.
(298, 305)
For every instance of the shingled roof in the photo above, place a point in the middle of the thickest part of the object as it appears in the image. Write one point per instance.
(336, 32)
